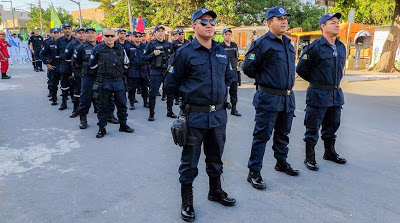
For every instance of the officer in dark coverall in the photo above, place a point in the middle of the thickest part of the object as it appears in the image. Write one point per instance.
(49, 56)
(66, 68)
(138, 73)
(233, 54)
(75, 79)
(157, 53)
(110, 60)
(322, 64)
(50, 41)
(202, 73)
(80, 62)
(271, 61)
(36, 43)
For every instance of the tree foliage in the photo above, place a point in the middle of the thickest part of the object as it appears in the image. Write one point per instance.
(34, 18)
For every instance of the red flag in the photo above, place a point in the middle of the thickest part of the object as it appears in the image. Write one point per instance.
(139, 25)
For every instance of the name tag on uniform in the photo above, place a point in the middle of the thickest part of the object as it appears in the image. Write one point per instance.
(221, 55)
(88, 51)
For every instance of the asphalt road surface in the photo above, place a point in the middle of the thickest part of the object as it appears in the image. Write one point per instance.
(51, 171)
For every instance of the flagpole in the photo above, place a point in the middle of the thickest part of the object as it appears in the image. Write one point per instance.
(80, 14)
(12, 13)
(130, 16)
(41, 20)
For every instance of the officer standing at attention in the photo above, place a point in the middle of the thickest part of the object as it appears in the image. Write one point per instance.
(138, 76)
(322, 64)
(271, 61)
(49, 56)
(65, 69)
(121, 37)
(202, 73)
(80, 62)
(233, 54)
(47, 41)
(157, 53)
(180, 39)
(36, 43)
(75, 79)
(110, 60)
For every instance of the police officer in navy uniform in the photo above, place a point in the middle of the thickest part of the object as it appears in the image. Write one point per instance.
(48, 41)
(233, 54)
(202, 73)
(157, 53)
(121, 33)
(75, 79)
(322, 64)
(49, 56)
(36, 43)
(271, 61)
(110, 60)
(80, 64)
(138, 73)
(65, 69)
(180, 41)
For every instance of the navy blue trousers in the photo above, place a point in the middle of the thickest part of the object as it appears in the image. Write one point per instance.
(213, 141)
(267, 122)
(328, 117)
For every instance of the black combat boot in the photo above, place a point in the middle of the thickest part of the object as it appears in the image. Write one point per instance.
(234, 111)
(283, 166)
(145, 103)
(63, 103)
(187, 211)
(102, 131)
(164, 96)
(330, 152)
(125, 128)
(310, 162)
(170, 113)
(49, 94)
(4, 76)
(151, 116)
(256, 180)
(112, 119)
(76, 107)
(132, 105)
(217, 194)
(53, 97)
(83, 122)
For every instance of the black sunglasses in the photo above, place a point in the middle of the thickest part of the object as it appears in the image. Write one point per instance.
(109, 36)
(138, 36)
(204, 22)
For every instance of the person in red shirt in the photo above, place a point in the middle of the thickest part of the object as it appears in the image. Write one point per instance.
(4, 55)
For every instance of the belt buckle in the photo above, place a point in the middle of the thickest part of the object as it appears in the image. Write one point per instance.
(288, 92)
(212, 108)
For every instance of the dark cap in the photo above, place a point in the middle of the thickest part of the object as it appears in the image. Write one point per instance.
(90, 28)
(135, 32)
(179, 31)
(199, 13)
(326, 17)
(66, 25)
(159, 27)
(226, 30)
(121, 30)
(276, 12)
(53, 30)
(79, 29)
(128, 33)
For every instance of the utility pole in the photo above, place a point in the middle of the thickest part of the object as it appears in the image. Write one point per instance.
(80, 13)
(41, 20)
(130, 16)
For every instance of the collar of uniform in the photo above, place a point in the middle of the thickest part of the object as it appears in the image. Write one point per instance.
(272, 36)
(197, 45)
(324, 41)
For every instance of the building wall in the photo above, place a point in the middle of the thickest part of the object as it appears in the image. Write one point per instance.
(381, 33)
(89, 14)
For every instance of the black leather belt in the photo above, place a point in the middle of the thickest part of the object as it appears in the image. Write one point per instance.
(112, 79)
(324, 87)
(282, 92)
(205, 108)
(137, 67)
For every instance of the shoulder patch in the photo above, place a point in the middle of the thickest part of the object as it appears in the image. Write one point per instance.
(171, 69)
(91, 57)
(305, 57)
(251, 56)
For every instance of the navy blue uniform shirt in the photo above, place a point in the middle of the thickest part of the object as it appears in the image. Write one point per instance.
(271, 61)
(202, 76)
(49, 51)
(62, 43)
(136, 58)
(81, 57)
(323, 65)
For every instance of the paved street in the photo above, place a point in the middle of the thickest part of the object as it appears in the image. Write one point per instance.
(51, 171)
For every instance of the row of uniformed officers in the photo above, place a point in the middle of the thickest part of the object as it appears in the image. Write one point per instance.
(200, 72)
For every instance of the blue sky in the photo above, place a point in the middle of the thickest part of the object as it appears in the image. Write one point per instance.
(68, 5)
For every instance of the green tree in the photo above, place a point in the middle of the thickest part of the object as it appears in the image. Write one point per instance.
(34, 18)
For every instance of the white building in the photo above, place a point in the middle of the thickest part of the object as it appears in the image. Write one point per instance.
(21, 18)
(381, 33)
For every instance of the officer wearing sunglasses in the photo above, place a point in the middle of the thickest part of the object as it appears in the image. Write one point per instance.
(201, 71)
(271, 61)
